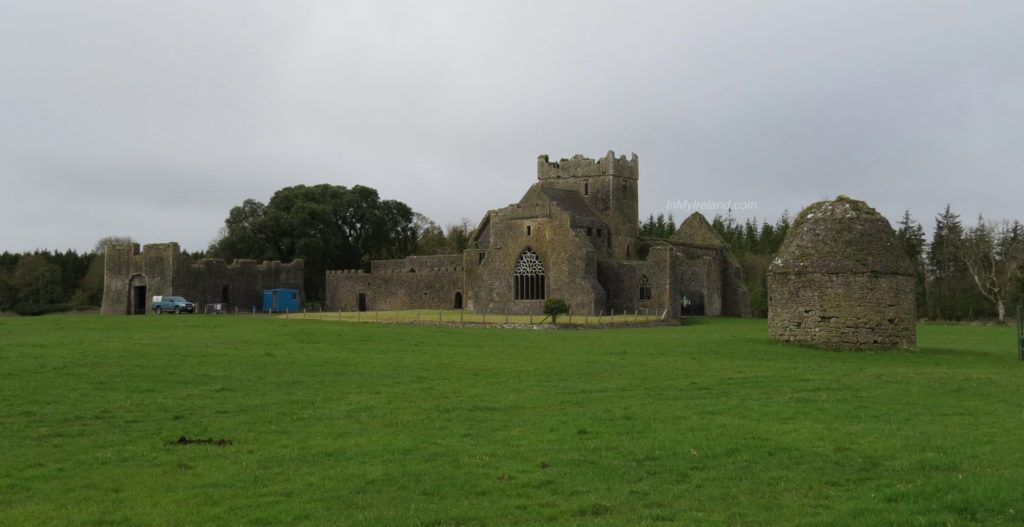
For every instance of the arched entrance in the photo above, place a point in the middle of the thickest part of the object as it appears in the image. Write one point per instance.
(458, 300)
(138, 299)
(692, 305)
(361, 301)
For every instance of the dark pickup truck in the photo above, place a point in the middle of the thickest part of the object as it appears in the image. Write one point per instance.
(172, 304)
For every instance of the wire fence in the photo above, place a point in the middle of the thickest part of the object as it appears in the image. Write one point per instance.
(445, 316)
(455, 316)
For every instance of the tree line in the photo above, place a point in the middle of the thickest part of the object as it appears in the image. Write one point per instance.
(47, 281)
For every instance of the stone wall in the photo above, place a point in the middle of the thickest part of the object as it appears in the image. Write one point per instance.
(568, 257)
(853, 311)
(709, 269)
(397, 288)
(621, 279)
(699, 279)
(161, 269)
(240, 284)
(417, 264)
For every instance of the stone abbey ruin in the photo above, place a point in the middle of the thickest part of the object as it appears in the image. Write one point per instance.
(573, 235)
(132, 277)
(841, 280)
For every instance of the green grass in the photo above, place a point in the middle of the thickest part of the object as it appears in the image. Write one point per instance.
(367, 424)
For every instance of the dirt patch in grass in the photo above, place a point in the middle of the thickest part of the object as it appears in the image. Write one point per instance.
(182, 441)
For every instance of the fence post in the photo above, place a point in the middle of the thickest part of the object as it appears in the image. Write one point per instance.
(1020, 332)
(570, 316)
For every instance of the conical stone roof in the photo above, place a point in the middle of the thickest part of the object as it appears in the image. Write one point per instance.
(841, 236)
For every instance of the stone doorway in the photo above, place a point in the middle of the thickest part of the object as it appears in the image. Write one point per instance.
(692, 305)
(458, 300)
(137, 295)
(361, 302)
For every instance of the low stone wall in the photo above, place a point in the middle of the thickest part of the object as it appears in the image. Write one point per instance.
(389, 291)
(844, 311)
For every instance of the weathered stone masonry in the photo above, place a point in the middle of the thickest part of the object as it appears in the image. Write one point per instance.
(132, 277)
(840, 280)
(573, 235)
(417, 282)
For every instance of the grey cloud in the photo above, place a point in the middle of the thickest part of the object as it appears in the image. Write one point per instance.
(112, 108)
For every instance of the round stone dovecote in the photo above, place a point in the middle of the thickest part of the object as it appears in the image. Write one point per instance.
(841, 280)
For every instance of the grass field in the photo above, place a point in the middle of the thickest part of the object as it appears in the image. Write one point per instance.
(367, 424)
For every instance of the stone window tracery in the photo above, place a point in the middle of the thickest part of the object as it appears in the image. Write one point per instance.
(529, 276)
(645, 288)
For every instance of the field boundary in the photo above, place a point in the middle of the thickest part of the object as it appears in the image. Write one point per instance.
(455, 318)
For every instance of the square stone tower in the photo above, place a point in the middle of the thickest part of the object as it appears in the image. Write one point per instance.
(608, 185)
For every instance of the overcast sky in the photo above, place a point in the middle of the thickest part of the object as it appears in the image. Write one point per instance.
(152, 119)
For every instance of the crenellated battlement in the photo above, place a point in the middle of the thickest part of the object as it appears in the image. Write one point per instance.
(582, 166)
(346, 271)
(133, 273)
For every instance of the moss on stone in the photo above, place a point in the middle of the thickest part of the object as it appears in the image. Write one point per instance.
(841, 280)
(843, 235)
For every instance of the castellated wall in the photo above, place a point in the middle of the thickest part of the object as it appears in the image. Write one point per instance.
(843, 311)
(416, 282)
(132, 277)
(609, 185)
(582, 166)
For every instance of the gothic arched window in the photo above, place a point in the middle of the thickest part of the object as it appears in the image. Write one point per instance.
(529, 276)
(645, 288)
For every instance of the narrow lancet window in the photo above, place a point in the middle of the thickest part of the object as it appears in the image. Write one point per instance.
(645, 288)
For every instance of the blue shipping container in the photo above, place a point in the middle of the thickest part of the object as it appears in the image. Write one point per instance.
(280, 300)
